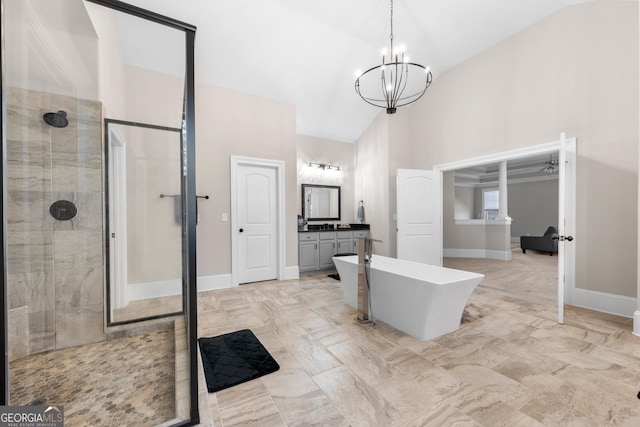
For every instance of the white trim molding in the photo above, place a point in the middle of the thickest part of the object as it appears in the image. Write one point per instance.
(291, 272)
(605, 302)
(636, 323)
(484, 184)
(167, 288)
(477, 253)
(519, 153)
(159, 289)
(505, 221)
(213, 283)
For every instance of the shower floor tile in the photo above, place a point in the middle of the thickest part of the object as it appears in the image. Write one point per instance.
(126, 381)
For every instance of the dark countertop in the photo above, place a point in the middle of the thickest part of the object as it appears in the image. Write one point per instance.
(314, 228)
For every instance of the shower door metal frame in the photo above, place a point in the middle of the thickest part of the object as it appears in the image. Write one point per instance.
(4, 319)
(109, 231)
(188, 201)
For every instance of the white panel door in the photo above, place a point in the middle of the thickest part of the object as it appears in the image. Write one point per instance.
(257, 233)
(419, 216)
(566, 227)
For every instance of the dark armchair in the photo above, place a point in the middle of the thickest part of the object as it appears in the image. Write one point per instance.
(544, 243)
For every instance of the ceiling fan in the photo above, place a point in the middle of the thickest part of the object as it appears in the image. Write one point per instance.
(550, 166)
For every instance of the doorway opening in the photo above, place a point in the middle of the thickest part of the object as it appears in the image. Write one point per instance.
(565, 149)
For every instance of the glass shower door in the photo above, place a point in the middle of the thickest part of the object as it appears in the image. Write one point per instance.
(144, 221)
(103, 354)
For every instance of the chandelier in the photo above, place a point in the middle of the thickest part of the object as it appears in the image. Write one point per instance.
(387, 85)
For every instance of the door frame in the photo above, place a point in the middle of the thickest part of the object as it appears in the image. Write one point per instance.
(117, 207)
(278, 165)
(565, 293)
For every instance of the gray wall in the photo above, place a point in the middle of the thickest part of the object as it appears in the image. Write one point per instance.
(465, 198)
(533, 206)
(490, 236)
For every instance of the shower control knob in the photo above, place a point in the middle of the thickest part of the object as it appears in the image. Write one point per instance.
(63, 210)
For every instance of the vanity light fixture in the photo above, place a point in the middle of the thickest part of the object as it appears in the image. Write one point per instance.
(324, 166)
(388, 85)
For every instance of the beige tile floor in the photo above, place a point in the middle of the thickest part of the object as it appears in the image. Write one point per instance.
(509, 364)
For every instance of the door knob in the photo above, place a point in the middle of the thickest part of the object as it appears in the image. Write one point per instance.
(562, 238)
(241, 230)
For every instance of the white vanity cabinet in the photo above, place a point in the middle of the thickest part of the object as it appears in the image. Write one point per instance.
(316, 249)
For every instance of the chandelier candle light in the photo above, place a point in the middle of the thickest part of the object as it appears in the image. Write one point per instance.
(387, 85)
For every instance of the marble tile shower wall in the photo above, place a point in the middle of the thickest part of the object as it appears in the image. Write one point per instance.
(55, 268)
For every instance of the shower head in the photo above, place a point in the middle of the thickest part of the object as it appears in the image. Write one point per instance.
(58, 120)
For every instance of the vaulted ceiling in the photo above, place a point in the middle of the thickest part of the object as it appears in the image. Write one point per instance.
(305, 52)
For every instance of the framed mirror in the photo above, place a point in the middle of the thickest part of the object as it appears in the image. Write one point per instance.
(320, 202)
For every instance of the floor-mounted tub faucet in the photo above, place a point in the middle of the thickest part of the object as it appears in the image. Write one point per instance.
(365, 251)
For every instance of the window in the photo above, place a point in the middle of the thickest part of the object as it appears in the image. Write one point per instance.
(490, 203)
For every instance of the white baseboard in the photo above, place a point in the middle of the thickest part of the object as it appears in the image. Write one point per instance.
(146, 290)
(477, 253)
(636, 323)
(605, 302)
(165, 288)
(291, 272)
(212, 283)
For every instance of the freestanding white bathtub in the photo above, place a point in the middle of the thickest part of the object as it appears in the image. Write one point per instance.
(421, 300)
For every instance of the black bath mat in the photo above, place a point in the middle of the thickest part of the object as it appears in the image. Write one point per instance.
(234, 358)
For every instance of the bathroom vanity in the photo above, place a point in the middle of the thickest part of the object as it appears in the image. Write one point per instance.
(318, 244)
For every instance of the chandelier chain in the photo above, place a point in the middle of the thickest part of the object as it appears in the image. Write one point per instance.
(391, 35)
